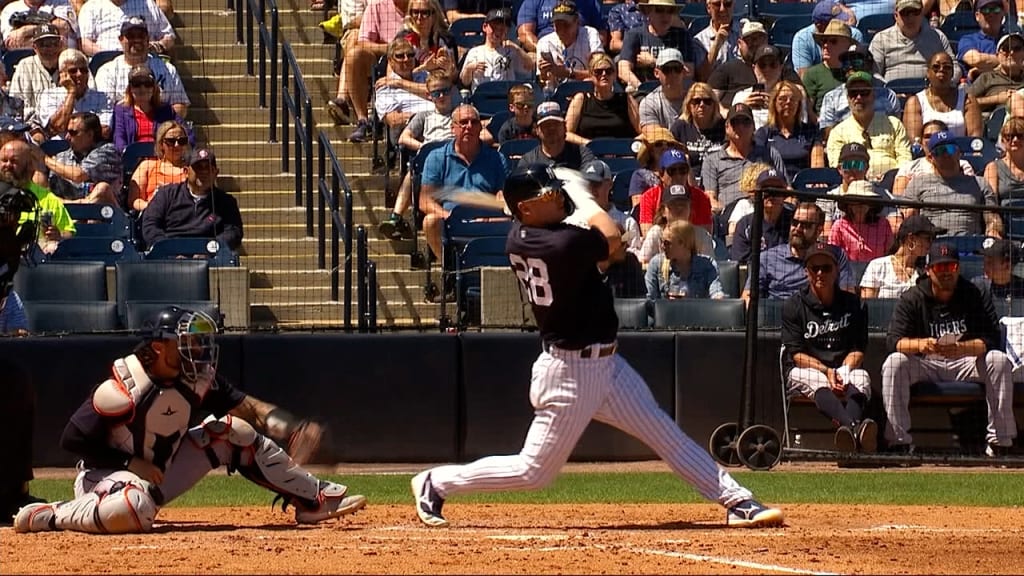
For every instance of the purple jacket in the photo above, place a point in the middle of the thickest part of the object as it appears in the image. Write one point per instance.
(125, 128)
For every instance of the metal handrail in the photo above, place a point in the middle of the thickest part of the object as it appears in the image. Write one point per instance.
(294, 95)
(255, 11)
(332, 185)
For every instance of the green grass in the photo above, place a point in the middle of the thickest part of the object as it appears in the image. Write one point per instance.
(912, 488)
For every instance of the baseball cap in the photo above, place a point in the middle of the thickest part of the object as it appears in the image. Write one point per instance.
(942, 252)
(904, 4)
(826, 10)
(940, 137)
(982, 3)
(771, 179)
(675, 192)
(821, 249)
(856, 51)
(668, 55)
(503, 14)
(133, 23)
(200, 155)
(860, 188)
(918, 224)
(1000, 248)
(752, 27)
(861, 77)
(45, 31)
(1007, 37)
(549, 111)
(834, 28)
(140, 71)
(671, 157)
(565, 10)
(737, 110)
(9, 124)
(853, 151)
(596, 171)
(767, 51)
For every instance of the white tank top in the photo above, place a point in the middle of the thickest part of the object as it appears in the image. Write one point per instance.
(954, 119)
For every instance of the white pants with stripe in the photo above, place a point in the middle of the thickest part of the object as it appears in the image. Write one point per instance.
(567, 392)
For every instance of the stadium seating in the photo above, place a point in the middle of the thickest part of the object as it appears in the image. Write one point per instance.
(491, 98)
(605, 148)
(729, 277)
(879, 311)
(888, 179)
(100, 58)
(994, 124)
(769, 314)
(632, 312)
(102, 220)
(514, 149)
(62, 281)
(700, 314)
(979, 152)
(162, 281)
(819, 180)
(105, 249)
(12, 57)
(958, 24)
(874, 23)
(566, 90)
(54, 146)
(477, 253)
(784, 28)
(468, 32)
(620, 190)
(71, 316)
(780, 9)
(215, 252)
(965, 244)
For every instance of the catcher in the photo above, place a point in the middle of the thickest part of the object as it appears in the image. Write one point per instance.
(138, 452)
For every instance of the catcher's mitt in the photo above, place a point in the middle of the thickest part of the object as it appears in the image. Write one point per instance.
(304, 442)
(19, 19)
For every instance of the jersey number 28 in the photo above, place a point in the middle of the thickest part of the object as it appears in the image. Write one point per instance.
(533, 273)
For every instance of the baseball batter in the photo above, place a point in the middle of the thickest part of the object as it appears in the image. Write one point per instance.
(138, 450)
(578, 376)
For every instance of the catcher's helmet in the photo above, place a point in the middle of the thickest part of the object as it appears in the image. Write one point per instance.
(194, 332)
(530, 181)
(14, 202)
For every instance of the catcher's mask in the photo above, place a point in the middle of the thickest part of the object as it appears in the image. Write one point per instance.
(13, 203)
(195, 334)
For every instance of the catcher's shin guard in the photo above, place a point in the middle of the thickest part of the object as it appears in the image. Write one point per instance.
(122, 508)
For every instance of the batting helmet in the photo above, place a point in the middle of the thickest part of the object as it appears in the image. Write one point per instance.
(530, 181)
(194, 332)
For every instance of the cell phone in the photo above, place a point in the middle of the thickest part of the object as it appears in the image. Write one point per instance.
(547, 57)
(759, 87)
(948, 339)
(46, 218)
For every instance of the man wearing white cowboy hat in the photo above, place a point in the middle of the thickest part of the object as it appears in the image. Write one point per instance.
(641, 45)
(807, 42)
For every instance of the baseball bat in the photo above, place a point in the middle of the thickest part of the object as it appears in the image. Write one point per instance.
(466, 197)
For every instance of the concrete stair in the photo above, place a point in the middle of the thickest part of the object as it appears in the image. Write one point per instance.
(287, 289)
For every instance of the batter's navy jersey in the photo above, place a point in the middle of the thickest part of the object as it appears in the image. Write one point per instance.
(557, 268)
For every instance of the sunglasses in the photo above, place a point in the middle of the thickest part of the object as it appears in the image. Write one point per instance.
(910, 13)
(941, 67)
(441, 93)
(48, 43)
(81, 69)
(720, 5)
(1013, 136)
(603, 71)
(141, 84)
(702, 101)
(768, 63)
(804, 224)
(741, 121)
(672, 69)
(403, 56)
(861, 93)
(468, 122)
(421, 13)
(171, 141)
(821, 268)
(945, 267)
(1012, 49)
(856, 63)
(523, 105)
(854, 165)
(663, 10)
(991, 9)
(678, 170)
(945, 150)
(831, 40)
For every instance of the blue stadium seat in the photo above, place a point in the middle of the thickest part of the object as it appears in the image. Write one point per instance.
(620, 164)
(488, 251)
(632, 313)
(620, 190)
(693, 10)
(956, 25)
(105, 220)
(162, 280)
(784, 28)
(700, 313)
(62, 281)
(994, 124)
(107, 250)
(12, 57)
(888, 179)
(819, 180)
(779, 9)
(216, 253)
(514, 149)
(966, 244)
(880, 310)
(497, 121)
(874, 23)
(466, 222)
(699, 23)
(646, 88)
(71, 316)
(905, 87)
(979, 152)
(54, 146)
(100, 58)
(468, 32)
(605, 148)
(566, 90)
(491, 98)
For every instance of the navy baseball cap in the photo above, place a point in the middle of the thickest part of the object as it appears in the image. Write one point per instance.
(202, 155)
(671, 157)
(1000, 248)
(853, 151)
(821, 249)
(549, 111)
(826, 10)
(133, 23)
(940, 137)
(982, 3)
(942, 252)
(738, 110)
(675, 192)
(596, 171)
(771, 178)
(503, 14)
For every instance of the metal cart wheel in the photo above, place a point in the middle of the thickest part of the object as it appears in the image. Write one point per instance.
(722, 445)
(759, 447)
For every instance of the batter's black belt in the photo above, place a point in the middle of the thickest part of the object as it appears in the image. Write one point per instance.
(592, 351)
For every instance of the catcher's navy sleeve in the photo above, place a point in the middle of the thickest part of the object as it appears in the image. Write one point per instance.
(86, 436)
(223, 397)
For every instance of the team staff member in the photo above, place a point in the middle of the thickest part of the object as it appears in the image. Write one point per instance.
(578, 376)
(824, 335)
(139, 452)
(945, 329)
(999, 280)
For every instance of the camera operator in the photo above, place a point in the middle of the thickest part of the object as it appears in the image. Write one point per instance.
(17, 397)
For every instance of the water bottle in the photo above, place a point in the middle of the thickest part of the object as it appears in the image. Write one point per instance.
(916, 149)
(797, 441)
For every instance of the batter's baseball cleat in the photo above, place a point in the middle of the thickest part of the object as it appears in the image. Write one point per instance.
(38, 517)
(333, 503)
(753, 514)
(428, 503)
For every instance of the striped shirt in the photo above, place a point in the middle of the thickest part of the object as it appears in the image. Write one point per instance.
(897, 56)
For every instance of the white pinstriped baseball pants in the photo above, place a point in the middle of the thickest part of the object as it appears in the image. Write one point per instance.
(567, 392)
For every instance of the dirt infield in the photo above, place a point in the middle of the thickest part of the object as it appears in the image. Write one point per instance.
(542, 539)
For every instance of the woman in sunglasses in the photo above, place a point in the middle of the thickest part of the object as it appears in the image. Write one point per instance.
(788, 131)
(891, 275)
(700, 126)
(400, 95)
(942, 99)
(1006, 175)
(172, 149)
(680, 271)
(426, 28)
(137, 116)
(603, 113)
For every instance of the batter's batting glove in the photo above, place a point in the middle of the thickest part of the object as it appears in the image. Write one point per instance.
(304, 443)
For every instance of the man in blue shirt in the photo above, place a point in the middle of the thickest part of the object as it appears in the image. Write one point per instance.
(977, 51)
(782, 267)
(534, 20)
(621, 18)
(464, 163)
(806, 51)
